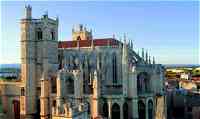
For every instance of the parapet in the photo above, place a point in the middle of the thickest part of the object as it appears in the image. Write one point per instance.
(69, 110)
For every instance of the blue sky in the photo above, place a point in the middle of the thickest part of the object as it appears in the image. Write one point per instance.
(168, 30)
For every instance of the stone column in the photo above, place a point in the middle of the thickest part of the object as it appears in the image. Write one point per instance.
(60, 83)
(109, 109)
(78, 86)
(121, 110)
(146, 108)
(134, 106)
(44, 99)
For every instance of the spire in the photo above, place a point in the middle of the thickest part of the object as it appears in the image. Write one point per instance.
(143, 53)
(45, 14)
(125, 53)
(113, 36)
(124, 38)
(57, 18)
(120, 39)
(28, 12)
(138, 52)
(146, 56)
(153, 60)
(73, 29)
(85, 29)
(80, 27)
(131, 44)
(149, 59)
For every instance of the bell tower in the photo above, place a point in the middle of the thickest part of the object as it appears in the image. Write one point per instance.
(81, 33)
(39, 51)
(28, 69)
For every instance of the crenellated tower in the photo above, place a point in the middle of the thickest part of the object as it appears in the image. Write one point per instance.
(39, 42)
(81, 33)
(28, 66)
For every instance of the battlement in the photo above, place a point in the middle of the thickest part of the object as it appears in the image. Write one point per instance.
(80, 28)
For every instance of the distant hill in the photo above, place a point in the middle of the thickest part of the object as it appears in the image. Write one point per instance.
(181, 65)
(17, 66)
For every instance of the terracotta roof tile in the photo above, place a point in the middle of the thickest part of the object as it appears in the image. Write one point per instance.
(87, 43)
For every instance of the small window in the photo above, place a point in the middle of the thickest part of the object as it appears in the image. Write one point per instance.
(39, 34)
(78, 38)
(52, 35)
(22, 91)
(114, 68)
(53, 85)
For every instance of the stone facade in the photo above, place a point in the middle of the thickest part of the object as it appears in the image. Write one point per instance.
(85, 77)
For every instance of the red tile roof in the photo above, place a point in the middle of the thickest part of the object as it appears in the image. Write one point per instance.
(196, 78)
(87, 43)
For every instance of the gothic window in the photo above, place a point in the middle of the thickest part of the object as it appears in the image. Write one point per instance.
(70, 85)
(100, 60)
(141, 110)
(150, 109)
(39, 34)
(125, 110)
(105, 109)
(114, 68)
(143, 82)
(100, 65)
(52, 35)
(53, 85)
(22, 91)
(115, 111)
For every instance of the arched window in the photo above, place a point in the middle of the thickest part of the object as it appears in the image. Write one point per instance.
(100, 60)
(53, 85)
(105, 109)
(100, 65)
(115, 111)
(16, 109)
(39, 34)
(37, 116)
(150, 109)
(88, 106)
(141, 110)
(125, 110)
(143, 82)
(52, 35)
(70, 85)
(114, 68)
(22, 91)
